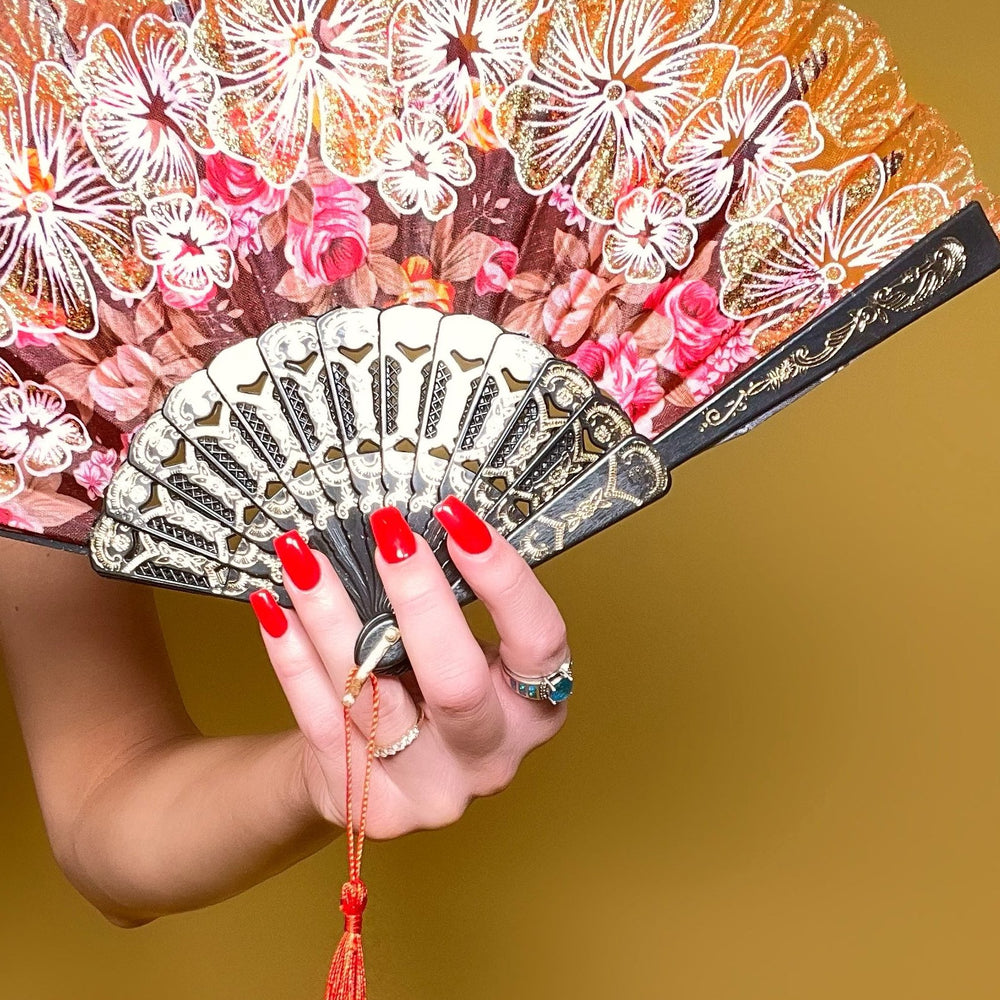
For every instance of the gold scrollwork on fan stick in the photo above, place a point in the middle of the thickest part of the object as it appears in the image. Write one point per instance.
(945, 263)
(630, 477)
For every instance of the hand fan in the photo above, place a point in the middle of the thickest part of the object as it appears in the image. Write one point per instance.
(269, 265)
(272, 266)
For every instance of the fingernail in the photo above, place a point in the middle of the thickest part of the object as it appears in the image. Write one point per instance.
(392, 535)
(269, 613)
(297, 560)
(462, 523)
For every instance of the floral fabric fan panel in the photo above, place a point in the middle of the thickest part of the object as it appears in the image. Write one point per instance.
(268, 265)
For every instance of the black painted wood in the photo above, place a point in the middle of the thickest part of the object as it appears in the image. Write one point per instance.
(945, 263)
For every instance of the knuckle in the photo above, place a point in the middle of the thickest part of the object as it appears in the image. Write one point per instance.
(551, 725)
(494, 778)
(517, 591)
(512, 582)
(445, 810)
(416, 600)
(331, 632)
(555, 645)
(292, 665)
(333, 645)
(549, 649)
(327, 599)
(462, 701)
(326, 620)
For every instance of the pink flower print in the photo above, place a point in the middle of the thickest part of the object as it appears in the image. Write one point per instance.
(16, 519)
(334, 243)
(96, 472)
(246, 196)
(561, 197)
(613, 362)
(709, 376)
(241, 185)
(692, 308)
(496, 271)
(570, 307)
(128, 383)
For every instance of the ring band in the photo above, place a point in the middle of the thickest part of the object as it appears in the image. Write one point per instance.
(382, 752)
(554, 688)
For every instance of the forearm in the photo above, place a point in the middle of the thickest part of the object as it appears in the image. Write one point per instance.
(190, 823)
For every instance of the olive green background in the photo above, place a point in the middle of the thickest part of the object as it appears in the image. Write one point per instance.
(781, 774)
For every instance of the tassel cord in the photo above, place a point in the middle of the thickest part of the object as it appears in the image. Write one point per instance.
(356, 841)
(347, 979)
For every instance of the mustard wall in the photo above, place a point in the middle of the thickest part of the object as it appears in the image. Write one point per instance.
(800, 800)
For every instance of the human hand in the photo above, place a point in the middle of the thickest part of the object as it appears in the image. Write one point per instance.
(476, 730)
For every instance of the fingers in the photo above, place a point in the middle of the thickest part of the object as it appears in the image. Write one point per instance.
(321, 603)
(452, 672)
(476, 731)
(315, 701)
(531, 630)
(331, 623)
(310, 692)
(449, 664)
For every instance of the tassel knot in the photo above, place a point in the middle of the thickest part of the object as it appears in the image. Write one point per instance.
(353, 900)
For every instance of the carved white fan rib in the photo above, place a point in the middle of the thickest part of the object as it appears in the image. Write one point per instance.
(319, 422)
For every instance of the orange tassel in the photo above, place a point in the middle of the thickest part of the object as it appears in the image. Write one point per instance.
(347, 970)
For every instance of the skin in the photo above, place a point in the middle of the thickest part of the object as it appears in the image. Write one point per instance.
(147, 816)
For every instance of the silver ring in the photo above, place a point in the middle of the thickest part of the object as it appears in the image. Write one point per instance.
(382, 752)
(554, 688)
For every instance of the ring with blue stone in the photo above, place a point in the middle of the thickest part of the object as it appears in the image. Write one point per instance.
(554, 688)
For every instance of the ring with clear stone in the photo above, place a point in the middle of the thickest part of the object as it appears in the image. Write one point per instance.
(391, 749)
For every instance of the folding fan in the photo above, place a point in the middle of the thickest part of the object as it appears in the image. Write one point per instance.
(269, 265)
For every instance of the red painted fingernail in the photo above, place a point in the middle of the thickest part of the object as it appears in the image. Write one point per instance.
(297, 560)
(269, 613)
(462, 523)
(393, 536)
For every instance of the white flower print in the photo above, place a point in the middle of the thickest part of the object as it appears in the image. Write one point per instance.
(651, 233)
(295, 63)
(36, 434)
(148, 106)
(422, 164)
(438, 47)
(609, 84)
(831, 231)
(58, 213)
(744, 139)
(185, 239)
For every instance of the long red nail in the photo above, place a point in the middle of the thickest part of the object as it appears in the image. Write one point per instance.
(269, 613)
(463, 525)
(297, 560)
(393, 536)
